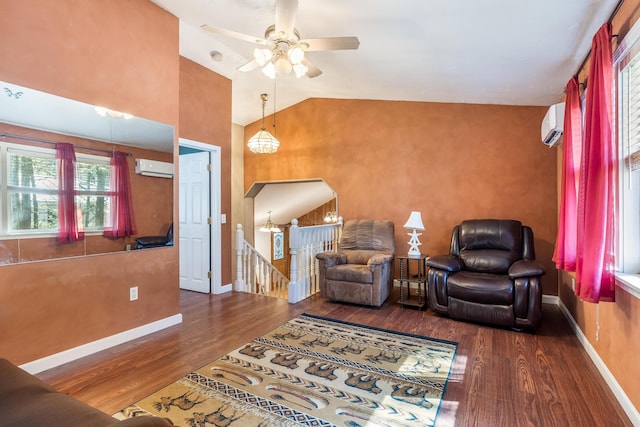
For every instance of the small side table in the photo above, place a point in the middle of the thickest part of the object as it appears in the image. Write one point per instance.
(418, 278)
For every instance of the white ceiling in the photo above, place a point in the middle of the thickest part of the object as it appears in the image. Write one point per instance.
(512, 52)
(288, 200)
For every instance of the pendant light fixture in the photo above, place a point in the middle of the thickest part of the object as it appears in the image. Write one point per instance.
(270, 227)
(263, 142)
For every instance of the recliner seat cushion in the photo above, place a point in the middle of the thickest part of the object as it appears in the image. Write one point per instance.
(350, 273)
(481, 288)
(360, 256)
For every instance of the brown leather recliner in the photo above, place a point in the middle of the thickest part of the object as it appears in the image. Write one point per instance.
(361, 272)
(490, 275)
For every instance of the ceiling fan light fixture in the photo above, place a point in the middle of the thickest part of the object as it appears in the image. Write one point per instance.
(269, 70)
(296, 55)
(262, 56)
(283, 66)
(300, 69)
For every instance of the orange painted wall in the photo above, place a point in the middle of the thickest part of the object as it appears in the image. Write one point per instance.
(121, 54)
(205, 116)
(449, 161)
(618, 342)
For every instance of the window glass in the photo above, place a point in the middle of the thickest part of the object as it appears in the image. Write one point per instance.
(31, 196)
(92, 187)
(627, 67)
(32, 192)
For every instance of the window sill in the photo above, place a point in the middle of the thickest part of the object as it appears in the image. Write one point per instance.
(629, 282)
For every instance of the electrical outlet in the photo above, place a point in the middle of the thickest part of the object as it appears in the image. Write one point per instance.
(133, 293)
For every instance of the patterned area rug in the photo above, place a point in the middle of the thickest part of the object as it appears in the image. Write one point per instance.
(313, 371)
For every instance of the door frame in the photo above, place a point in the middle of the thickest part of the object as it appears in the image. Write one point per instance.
(215, 199)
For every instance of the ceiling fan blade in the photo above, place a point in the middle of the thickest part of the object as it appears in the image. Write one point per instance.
(235, 35)
(331, 43)
(248, 66)
(312, 70)
(285, 17)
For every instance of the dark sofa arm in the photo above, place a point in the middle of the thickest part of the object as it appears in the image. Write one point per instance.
(331, 258)
(445, 262)
(143, 421)
(525, 268)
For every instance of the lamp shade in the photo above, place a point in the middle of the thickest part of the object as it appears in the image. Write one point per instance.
(263, 143)
(414, 221)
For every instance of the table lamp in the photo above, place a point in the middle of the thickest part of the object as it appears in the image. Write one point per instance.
(414, 222)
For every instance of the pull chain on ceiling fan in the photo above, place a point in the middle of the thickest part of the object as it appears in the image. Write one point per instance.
(282, 50)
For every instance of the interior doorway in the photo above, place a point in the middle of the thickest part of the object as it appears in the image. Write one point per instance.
(199, 217)
(310, 201)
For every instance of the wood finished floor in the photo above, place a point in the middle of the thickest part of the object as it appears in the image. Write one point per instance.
(500, 377)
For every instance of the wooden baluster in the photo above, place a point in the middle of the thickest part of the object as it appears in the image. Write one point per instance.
(293, 250)
(239, 284)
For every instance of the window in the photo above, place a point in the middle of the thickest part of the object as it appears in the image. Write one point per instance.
(627, 72)
(92, 187)
(30, 196)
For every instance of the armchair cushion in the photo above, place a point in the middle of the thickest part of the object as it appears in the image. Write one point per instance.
(361, 256)
(481, 288)
(358, 273)
(525, 269)
(488, 260)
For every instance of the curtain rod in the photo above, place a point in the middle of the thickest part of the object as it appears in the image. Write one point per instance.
(586, 58)
(46, 141)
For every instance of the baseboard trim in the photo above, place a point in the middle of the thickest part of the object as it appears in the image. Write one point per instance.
(72, 354)
(613, 384)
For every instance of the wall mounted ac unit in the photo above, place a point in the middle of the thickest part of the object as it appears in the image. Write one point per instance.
(154, 168)
(553, 125)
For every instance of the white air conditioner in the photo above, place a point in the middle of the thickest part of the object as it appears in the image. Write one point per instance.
(553, 125)
(154, 168)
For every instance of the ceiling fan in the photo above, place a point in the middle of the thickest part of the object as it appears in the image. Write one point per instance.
(282, 50)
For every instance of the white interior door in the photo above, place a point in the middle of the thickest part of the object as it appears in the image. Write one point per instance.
(194, 235)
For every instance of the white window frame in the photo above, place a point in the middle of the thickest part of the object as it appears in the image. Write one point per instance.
(628, 262)
(5, 233)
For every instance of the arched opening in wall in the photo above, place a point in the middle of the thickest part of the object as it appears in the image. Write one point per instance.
(311, 202)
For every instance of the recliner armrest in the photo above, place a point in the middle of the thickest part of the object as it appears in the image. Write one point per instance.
(525, 268)
(379, 259)
(331, 258)
(445, 262)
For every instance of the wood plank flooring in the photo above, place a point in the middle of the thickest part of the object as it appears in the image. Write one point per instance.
(500, 377)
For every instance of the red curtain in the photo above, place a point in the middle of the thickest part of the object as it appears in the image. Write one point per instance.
(565, 251)
(122, 224)
(69, 227)
(595, 279)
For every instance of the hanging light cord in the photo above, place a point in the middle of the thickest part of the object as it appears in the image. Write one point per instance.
(275, 131)
(264, 102)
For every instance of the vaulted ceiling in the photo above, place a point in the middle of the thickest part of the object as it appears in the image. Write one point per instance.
(512, 52)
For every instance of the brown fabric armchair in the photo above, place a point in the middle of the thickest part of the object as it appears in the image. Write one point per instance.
(490, 275)
(361, 272)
